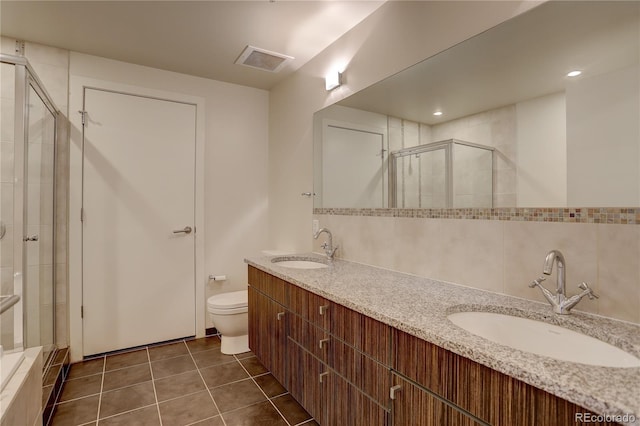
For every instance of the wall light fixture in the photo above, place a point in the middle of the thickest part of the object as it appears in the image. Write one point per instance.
(333, 80)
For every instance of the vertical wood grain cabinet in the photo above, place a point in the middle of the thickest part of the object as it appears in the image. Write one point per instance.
(347, 369)
(322, 352)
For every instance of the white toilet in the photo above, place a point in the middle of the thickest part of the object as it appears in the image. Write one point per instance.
(229, 314)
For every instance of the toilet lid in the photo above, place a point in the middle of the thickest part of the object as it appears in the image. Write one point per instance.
(234, 299)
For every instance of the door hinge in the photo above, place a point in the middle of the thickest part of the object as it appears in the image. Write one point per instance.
(83, 115)
(81, 311)
(81, 214)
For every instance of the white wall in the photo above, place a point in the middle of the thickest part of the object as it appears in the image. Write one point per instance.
(542, 152)
(602, 143)
(235, 168)
(397, 35)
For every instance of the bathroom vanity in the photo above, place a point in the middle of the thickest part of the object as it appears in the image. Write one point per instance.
(360, 345)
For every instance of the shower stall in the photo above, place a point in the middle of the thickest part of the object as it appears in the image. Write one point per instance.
(28, 125)
(442, 175)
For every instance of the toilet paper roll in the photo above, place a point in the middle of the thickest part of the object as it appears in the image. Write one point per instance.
(218, 277)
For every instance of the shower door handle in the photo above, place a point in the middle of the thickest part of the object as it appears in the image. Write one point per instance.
(185, 230)
(32, 238)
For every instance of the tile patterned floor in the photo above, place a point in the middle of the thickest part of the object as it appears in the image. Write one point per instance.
(182, 383)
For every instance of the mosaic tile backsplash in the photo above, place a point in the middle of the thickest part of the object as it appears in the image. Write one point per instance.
(609, 215)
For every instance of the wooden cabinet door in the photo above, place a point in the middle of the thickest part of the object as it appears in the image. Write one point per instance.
(413, 406)
(367, 374)
(268, 333)
(346, 405)
(306, 381)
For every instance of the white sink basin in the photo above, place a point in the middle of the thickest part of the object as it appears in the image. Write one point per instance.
(543, 339)
(299, 262)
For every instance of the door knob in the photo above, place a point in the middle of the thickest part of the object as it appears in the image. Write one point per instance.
(32, 238)
(185, 230)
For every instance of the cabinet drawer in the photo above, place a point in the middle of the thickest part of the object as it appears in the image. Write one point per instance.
(413, 406)
(311, 338)
(310, 306)
(269, 285)
(362, 332)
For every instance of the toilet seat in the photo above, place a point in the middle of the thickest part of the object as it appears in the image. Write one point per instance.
(234, 302)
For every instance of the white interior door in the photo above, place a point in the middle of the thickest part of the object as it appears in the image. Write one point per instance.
(138, 190)
(352, 168)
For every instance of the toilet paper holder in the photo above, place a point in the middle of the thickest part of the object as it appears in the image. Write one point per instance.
(217, 277)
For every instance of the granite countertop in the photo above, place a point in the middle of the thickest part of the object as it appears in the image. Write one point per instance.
(419, 306)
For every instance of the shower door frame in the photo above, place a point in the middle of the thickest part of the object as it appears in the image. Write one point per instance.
(446, 145)
(25, 76)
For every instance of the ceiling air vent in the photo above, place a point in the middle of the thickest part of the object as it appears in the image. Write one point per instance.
(255, 57)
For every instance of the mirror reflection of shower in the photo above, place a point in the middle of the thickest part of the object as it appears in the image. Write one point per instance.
(445, 174)
(27, 194)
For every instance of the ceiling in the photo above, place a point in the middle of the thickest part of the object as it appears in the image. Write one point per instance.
(201, 38)
(523, 58)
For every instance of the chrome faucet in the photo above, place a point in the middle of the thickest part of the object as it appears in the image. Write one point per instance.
(329, 250)
(559, 302)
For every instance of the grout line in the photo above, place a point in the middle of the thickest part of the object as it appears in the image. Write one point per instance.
(126, 366)
(80, 397)
(82, 377)
(126, 387)
(214, 365)
(127, 412)
(181, 396)
(208, 418)
(153, 383)
(104, 367)
(265, 395)
(205, 385)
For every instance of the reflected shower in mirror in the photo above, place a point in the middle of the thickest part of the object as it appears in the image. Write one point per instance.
(557, 140)
(446, 174)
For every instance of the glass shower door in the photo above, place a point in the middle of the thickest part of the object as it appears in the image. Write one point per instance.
(39, 301)
(8, 338)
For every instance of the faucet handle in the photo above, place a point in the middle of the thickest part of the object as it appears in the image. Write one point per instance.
(536, 282)
(584, 286)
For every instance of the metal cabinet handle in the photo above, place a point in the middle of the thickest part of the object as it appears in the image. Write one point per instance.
(322, 342)
(185, 230)
(322, 375)
(323, 309)
(393, 390)
(279, 316)
(32, 238)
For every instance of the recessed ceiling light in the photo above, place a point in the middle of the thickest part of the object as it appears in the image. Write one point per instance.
(574, 73)
(437, 113)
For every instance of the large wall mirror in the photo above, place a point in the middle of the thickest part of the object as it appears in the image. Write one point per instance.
(513, 127)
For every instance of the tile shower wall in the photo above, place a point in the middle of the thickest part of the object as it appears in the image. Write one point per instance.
(500, 256)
